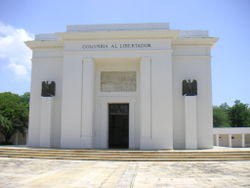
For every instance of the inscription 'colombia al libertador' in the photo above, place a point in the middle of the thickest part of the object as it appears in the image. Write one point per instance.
(116, 46)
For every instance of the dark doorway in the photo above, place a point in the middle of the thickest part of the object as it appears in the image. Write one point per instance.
(118, 125)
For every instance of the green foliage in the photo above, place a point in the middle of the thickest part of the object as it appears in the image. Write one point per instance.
(236, 116)
(239, 114)
(26, 97)
(220, 116)
(13, 113)
(6, 128)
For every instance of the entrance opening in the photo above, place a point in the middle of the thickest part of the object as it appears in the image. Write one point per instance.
(118, 125)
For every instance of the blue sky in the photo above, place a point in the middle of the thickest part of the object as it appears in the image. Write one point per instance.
(227, 19)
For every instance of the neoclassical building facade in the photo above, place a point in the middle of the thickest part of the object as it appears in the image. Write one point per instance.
(135, 86)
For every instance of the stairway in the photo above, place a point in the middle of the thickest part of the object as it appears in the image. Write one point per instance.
(125, 155)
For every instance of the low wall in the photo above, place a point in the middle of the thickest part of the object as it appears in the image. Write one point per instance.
(232, 136)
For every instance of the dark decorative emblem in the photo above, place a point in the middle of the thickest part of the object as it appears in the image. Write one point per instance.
(189, 87)
(48, 88)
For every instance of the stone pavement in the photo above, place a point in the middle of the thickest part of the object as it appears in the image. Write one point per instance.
(34, 173)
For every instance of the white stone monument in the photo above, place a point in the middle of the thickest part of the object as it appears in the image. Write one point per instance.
(121, 86)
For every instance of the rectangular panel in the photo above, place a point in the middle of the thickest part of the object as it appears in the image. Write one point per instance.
(118, 81)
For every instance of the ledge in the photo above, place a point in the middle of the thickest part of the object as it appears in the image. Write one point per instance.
(44, 44)
(208, 41)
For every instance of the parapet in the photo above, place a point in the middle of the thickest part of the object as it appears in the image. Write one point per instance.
(118, 27)
(47, 36)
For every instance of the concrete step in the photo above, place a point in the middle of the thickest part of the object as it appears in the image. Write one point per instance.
(130, 156)
(120, 150)
(124, 155)
(132, 159)
(134, 152)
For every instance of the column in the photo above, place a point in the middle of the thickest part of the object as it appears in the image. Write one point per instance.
(145, 103)
(46, 121)
(87, 124)
(190, 122)
(243, 140)
(230, 140)
(71, 107)
(217, 137)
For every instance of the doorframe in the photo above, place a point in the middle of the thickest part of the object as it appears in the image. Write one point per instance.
(102, 99)
(102, 127)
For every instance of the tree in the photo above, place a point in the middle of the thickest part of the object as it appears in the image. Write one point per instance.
(6, 128)
(14, 115)
(26, 97)
(220, 116)
(239, 114)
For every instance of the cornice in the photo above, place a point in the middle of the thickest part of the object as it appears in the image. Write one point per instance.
(44, 44)
(165, 34)
(209, 41)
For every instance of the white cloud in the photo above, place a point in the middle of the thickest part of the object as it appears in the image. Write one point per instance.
(13, 49)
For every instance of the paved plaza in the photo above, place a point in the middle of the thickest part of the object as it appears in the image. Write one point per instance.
(36, 173)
